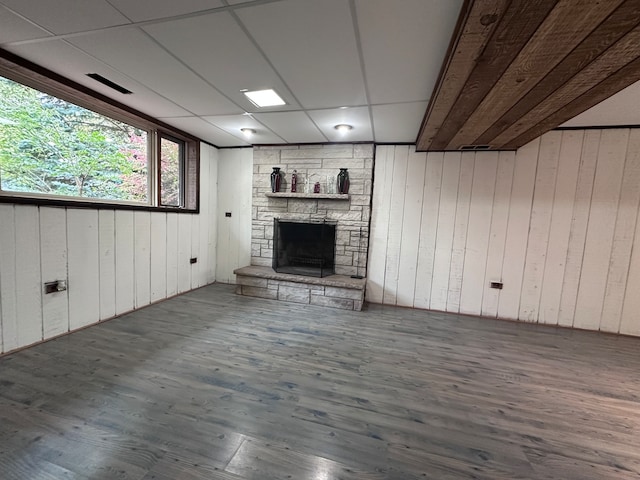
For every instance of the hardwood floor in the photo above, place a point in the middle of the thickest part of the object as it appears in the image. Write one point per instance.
(211, 385)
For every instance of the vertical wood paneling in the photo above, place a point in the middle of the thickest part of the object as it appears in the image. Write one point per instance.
(394, 232)
(184, 253)
(517, 230)
(578, 233)
(213, 217)
(142, 258)
(158, 256)
(53, 254)
(195, 251)
(203, 219)
(107, 249)
(172, 254)
(411, 229)
(538, 240)
(560, 228)
(8, 292)
(428, 229)
(383, 173)
(235, 170)
(630, 319)
(28, 279)
(498, 232)
(445, 227)
(113, 260)
(477, 245)
(125, 284)
(467, 164)
(84, 278)
(623, 237)
(602, 222)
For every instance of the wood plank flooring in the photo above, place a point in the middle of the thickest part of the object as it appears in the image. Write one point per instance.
(210, 385)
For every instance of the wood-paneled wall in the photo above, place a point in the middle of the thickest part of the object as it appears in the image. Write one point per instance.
(556, 222)
(235, 174)
(114, 261)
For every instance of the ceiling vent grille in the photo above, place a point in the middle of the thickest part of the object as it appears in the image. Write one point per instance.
(105, 81)
(475, 147)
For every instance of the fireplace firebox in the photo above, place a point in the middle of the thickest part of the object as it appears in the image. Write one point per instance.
(303, 248)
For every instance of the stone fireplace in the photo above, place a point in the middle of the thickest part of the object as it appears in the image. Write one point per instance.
(349, 213)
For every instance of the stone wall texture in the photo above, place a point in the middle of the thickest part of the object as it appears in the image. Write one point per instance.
(315, 162)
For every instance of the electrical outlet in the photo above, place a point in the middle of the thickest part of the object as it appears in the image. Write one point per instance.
(56, 286)
(227, 214)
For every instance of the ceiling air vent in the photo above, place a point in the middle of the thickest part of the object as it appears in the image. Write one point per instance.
(475, 147)
(105, 81)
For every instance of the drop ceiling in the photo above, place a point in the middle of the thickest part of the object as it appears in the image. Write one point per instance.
(370, 63)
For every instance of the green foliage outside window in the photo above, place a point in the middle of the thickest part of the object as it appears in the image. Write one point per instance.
(50, 146)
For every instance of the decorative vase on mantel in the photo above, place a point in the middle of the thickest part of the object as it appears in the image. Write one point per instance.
(343, 181)
(276, 179)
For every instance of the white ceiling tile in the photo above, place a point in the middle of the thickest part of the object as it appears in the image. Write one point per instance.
(404, 44)
(293, 127)
(313, 46)
(14, 29)
(398, 122)
(357, 117)
(133, 53)
(620, 109)
(67, 16)
(217, 48)
(233, 123)
(206, 131)
(66, 60)
(140, 10)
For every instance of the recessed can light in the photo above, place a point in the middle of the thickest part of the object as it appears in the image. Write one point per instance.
(248, 132)
(343, 127)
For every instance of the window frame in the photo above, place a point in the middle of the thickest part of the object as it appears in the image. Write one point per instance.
(34, 76)
(181, 168)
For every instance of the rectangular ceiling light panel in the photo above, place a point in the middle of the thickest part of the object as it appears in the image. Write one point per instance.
(265, 98)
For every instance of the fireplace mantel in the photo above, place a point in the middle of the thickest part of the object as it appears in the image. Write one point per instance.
(309, 196)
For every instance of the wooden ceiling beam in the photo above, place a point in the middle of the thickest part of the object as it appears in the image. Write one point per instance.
(624, 77)
(541, 62)
(616, 26)
(556, 37)
(516, 26)
(609, 63)
(476, 23)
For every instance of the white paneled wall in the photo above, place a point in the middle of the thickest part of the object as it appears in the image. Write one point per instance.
(235, 174)
(556, 222)
(114, 261)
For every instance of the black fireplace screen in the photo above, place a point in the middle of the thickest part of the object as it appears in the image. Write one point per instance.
(304, 248)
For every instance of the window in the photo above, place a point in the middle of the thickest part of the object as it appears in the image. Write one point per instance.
(61, 142)
(171, 171)
(53, 147)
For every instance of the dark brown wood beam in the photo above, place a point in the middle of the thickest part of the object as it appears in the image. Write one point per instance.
(556, 37)
(515, 27)
(537, 62)
(624, 77)
(616, 26)
(476, 23)
(597, 72)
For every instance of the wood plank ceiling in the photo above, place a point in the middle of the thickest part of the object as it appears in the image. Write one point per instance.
(516, 69)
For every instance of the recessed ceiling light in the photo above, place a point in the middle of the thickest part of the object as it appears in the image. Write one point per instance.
(343, 128)
(248, 132)
(265, 98)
